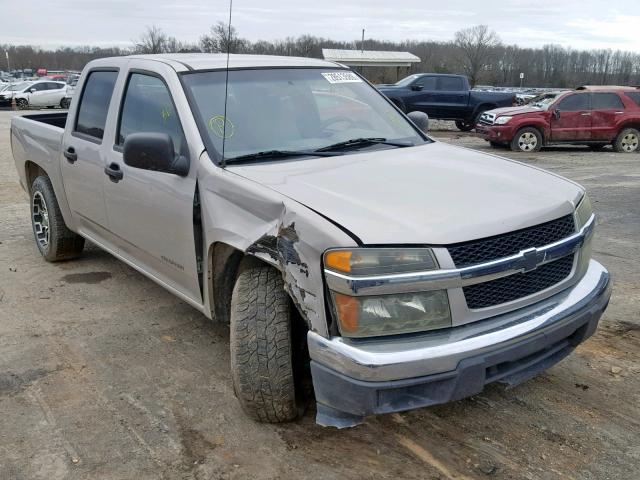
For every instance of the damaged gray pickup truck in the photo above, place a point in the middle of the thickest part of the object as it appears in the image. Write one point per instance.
(350, 254)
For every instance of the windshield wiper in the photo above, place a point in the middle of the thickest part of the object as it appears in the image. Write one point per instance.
(279, 154)
(358, 142)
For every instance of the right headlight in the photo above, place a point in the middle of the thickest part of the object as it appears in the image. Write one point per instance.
(377, 315)
(583, 212)
(502, 120)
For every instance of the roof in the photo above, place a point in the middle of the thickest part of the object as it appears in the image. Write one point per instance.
(212, 61)
(373, 58)
(596, 88)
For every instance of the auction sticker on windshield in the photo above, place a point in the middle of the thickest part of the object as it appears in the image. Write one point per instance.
(342, 77)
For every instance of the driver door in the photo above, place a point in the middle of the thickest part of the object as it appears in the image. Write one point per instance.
(422, 95)
(571, 118)
(37, 98)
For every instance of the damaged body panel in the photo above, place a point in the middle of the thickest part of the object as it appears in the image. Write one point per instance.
(344, 247)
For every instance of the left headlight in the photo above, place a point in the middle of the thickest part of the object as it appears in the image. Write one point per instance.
(502, 120)
(377, 315)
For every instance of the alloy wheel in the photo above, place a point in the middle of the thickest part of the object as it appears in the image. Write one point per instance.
(527, 142)
(629, 142)
(40, 216)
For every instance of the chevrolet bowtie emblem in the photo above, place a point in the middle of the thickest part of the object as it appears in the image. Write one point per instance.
(529, 259)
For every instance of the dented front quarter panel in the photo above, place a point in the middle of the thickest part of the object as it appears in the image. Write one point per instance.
(261, 222)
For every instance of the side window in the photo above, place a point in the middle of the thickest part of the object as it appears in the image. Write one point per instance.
(94, 104)
(428, 83)
(39, 87)
(635, 96)
(606, 101)
(574, 103)
(451, 84)
(148, 107)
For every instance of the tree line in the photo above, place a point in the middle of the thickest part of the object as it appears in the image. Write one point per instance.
(477, 52)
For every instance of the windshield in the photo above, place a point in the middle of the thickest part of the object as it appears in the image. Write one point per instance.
(406, 80)
(543, 101)
(19, 86)
(291, 110)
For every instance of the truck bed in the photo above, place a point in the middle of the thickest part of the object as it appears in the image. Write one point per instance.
(57, 119)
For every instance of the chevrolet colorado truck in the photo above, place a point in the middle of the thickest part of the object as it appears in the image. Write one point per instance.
(350, 254)
(445, 97)
(593, 116)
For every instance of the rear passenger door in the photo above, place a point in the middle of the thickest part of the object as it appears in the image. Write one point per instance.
(571, 118)
(607, 108)
(83, 158)
(150, 212)
(452, 98)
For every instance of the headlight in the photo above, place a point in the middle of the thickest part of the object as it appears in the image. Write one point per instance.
(370, 316)
(583, 212)
(502, 120)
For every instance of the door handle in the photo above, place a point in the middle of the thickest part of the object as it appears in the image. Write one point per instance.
(70, 154)
(619, 113)
(586, 114)
(114, 172)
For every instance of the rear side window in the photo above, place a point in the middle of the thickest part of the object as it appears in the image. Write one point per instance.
(451, 84)
(94, 104)
(428, 83)
(606, 101)
(148, 107)
(635, 96)
(574, 103)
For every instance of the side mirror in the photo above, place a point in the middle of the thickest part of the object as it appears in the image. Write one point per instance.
(154, 151)
(32, 90)
(556, 114)
(416, 88)
(420, 120)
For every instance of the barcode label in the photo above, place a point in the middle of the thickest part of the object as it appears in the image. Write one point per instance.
(342, 77)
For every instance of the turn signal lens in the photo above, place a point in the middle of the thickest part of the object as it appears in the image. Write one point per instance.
(584, 211)
(339, 260)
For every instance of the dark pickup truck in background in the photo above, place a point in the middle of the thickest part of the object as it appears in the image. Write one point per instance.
(445, 97)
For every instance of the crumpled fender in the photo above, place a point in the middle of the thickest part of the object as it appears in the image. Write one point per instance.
(258, 221)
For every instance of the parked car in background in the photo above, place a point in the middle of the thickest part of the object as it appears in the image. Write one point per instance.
(263, 209)
(38, 94)
(445, 97)
(7, 95)
(596, 116)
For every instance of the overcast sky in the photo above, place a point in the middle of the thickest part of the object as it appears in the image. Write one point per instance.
(571, 23)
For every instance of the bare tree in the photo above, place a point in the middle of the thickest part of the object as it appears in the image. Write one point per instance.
(222, 39)
(153, 40)
(476, 46)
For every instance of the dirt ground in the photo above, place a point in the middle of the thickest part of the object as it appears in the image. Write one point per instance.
(103, 374)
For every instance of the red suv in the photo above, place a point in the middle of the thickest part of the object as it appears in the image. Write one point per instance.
(593, 116)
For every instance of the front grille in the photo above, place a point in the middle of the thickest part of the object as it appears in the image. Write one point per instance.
(487, 119)
(518, 285)
(492, 248)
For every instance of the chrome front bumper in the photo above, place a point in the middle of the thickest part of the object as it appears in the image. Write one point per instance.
(435, 352)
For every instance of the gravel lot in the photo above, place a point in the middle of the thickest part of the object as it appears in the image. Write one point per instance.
(103, 374)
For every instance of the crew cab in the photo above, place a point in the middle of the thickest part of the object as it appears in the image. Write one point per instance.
(290, 199)
(41, 93)
(445, 97)
(596, 116)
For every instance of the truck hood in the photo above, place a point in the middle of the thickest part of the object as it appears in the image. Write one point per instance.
(433, 194)
(515, 110)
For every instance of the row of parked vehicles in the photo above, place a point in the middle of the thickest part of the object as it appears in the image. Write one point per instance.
(36, 94)
(595, 116)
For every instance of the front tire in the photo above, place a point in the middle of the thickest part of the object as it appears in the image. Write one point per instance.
(627, 141)
(464, 126)
(65, 102)
(22, 104)
(261, 345)
(527, 139)
(54, 240)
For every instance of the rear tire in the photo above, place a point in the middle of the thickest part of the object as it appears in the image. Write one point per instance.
(54, 240)
(627, 141)
(261, 345)
(464, 126)
(527, 139)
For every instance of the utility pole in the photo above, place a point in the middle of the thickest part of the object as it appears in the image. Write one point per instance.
(362, 43)
(6, 54)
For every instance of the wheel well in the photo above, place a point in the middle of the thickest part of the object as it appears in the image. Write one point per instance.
(629, 125)
(32, 171)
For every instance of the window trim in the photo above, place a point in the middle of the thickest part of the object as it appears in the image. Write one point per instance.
(125, 90)
(86, 136)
